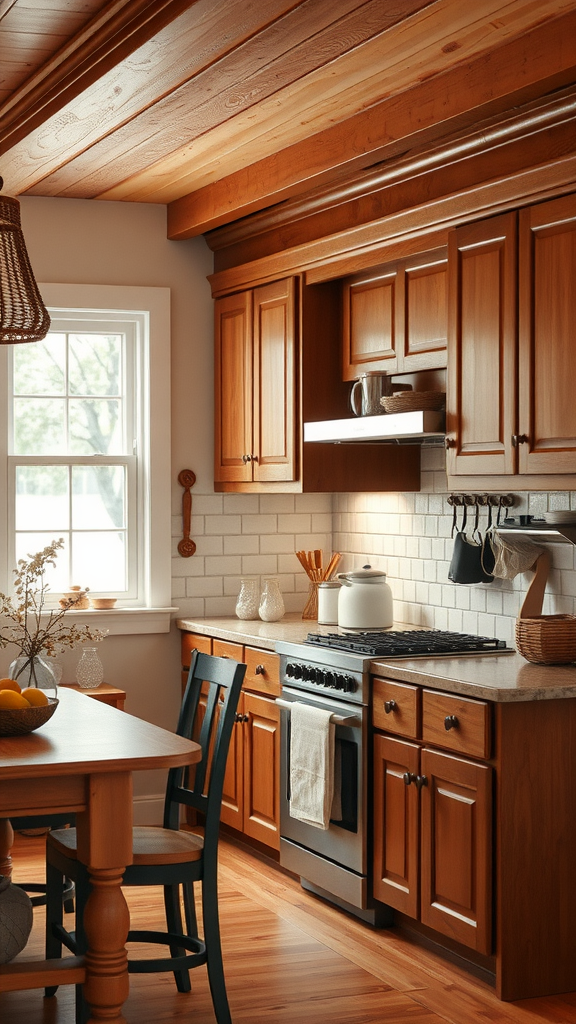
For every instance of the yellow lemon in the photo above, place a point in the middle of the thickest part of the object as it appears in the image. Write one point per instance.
(35, 697)
(9, 684)
(11, 699)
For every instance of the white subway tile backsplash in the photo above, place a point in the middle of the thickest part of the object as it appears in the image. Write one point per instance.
(242, 544)
(406, 535)
(260, 524)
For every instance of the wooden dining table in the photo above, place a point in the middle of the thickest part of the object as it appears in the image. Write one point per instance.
(82, 760)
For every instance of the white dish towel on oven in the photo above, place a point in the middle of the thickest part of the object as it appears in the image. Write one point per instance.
(311, 764)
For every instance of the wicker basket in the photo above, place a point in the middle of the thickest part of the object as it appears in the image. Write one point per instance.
(547, 639)
(19, 721)
(413, 401)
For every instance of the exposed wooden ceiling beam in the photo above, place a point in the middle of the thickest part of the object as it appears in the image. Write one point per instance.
(539, 61)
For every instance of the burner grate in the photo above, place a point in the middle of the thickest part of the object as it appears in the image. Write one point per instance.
(409, 643)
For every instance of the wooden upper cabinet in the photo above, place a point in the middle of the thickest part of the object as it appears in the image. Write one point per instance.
(274, 359)
(233, 387)
(395, 317)
(481, 393)
(255, 399)
(547, 349)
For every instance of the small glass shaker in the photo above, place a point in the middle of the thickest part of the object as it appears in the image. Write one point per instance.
(89, 671)
(247, 603)
(271, 601)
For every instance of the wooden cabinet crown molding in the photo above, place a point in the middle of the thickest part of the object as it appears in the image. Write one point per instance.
(516, 159)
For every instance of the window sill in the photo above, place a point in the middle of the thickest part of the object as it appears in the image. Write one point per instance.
(124, 621)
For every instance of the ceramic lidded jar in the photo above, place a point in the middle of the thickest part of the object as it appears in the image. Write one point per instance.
(365, 600)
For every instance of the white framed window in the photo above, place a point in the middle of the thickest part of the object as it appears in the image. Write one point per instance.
(86, 451)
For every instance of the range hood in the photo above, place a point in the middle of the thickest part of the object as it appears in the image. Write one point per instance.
(422, 427)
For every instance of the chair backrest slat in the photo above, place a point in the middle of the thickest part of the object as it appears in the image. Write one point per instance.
(207, 715)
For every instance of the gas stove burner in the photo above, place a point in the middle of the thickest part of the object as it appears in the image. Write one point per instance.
(408, 643)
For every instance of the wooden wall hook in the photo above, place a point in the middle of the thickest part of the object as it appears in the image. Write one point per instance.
(186, 479)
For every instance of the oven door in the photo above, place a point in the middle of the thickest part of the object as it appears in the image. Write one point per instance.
(344, 842)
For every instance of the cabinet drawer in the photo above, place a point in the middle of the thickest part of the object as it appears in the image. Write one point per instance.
(227, 649)
(396, 708)
(456, 723)
(262, 671)
(194, 642)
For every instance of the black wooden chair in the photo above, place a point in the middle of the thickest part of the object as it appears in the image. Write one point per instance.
(168, 856)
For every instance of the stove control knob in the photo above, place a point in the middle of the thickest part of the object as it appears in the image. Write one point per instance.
(329, 680)
(351, 685)
(297, 671)
(289, 668)
(340, 681)
(307, 674)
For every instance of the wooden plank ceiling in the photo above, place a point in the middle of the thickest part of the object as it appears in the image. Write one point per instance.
(221, 108)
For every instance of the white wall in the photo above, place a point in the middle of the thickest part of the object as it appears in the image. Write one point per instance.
(79, 241)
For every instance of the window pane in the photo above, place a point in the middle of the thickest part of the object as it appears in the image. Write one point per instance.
(95, 364)
(95, 426)
(99, 561)
(40, 369)
(98, 497)
(39, 426)
(28, 545)
(42, 497)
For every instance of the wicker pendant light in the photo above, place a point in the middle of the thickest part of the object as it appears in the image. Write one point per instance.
(23, 315)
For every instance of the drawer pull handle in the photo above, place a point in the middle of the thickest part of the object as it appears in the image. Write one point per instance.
(390, 705)
(451, 722)
(260, 670)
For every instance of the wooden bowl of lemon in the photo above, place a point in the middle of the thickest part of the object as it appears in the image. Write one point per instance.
(23, 711)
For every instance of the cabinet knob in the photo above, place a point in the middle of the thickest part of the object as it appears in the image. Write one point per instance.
(246, 458)
(390, 705)
(519, 439)
(260, 670)
(420, 780)
(237, 717)
(408, 777)
(451, 722)
(449, 442)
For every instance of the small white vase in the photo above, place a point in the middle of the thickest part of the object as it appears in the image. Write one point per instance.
(90, 670)
(271, 601)
(247, 603)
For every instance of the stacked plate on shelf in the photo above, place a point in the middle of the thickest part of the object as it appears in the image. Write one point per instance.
(561, 518)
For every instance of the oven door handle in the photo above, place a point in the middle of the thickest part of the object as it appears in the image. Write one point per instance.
(351, 720)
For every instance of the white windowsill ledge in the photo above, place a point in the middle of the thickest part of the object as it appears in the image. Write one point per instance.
(124, 621)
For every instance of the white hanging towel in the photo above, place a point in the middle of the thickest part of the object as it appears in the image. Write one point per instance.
(311, 764)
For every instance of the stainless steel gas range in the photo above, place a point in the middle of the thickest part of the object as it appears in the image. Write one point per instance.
(332, 671)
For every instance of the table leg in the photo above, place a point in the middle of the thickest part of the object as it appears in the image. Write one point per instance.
(6, 843)
(105, 845)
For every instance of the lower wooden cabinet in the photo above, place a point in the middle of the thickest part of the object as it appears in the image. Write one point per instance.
(250, 799)
(432, 839)
(252, 782)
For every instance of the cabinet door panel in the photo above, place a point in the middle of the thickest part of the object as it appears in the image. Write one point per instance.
(232, 811)
(274, 382)
(370, 308)
(426, 316)
(547, 411)
(456, 840)
(481, 400)
(396, 812)
(261, 770)
(233, 387)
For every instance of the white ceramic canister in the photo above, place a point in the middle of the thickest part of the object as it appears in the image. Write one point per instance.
(328, 602)
(365, 600)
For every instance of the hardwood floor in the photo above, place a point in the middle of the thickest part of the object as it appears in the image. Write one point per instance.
(289, 958)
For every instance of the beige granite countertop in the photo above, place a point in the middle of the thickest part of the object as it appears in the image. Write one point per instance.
(502, 677)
